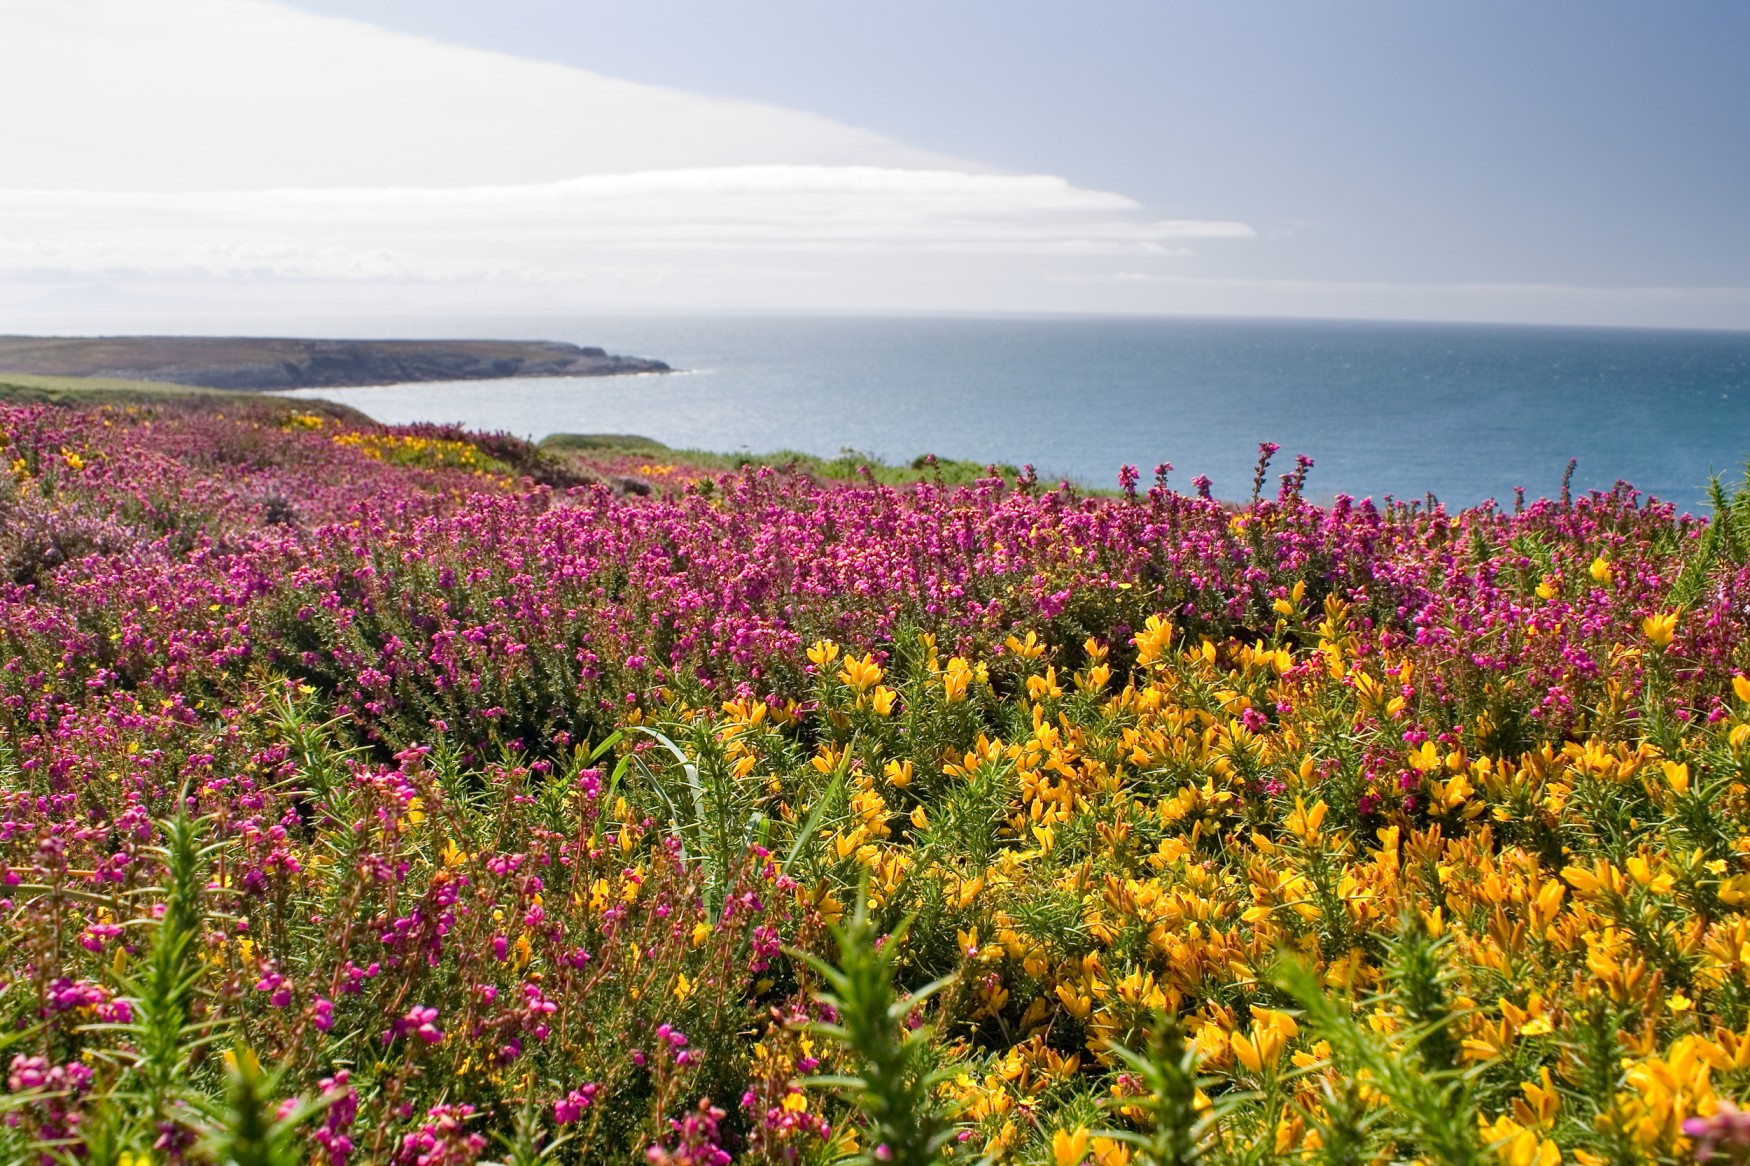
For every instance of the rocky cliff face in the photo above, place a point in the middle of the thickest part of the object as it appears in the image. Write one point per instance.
(262, 364)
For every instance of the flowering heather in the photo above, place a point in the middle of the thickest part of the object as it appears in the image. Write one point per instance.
(374, 790)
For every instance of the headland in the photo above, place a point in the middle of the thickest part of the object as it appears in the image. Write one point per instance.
(265, 364)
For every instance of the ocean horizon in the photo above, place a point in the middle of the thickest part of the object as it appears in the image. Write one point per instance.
(1466, 412)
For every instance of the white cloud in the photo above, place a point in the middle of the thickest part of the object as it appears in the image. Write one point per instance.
(244, 154)
(188, 95)
(546, 231)
(238, 141)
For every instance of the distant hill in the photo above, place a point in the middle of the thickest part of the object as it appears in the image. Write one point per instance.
(219, 362)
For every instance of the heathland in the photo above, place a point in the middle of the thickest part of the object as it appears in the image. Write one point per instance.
(414, 795)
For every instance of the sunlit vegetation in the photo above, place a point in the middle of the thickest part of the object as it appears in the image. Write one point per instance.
(370, 799)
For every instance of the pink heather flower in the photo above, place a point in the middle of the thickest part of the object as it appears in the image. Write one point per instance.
(28, 1073)
(442, 1140)
(571, 1107)
(421, 1021)
(1726, 1134)
(341, 1111)
(697, 1140)
(115, 1012)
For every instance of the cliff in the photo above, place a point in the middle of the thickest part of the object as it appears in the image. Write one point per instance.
(262, 364)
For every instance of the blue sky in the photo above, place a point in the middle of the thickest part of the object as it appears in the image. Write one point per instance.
(1594, 142)
(1559, 161)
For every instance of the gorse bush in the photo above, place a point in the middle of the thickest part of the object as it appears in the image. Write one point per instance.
(459, 818)
(893, 1083)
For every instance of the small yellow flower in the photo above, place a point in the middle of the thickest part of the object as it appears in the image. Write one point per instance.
(1660, 628)
(1246, 1051)
(1110, 1151)
(861, 674)
(1271, 1032)
(956, 680)
(1599, 570)
(1153, 640)
(1047, 837)
(1734, 890)
(1042, 687)
(1070, 1148)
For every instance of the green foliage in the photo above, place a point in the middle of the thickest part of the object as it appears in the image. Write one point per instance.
(849, 466)
(595, 442)
(1431, 1107)
(1175, 1131)
(1419, 986)
(248, 1129)
(168, 1032)
(1725, 541)
(528, 1143)
(715, 816)
(894, 1082)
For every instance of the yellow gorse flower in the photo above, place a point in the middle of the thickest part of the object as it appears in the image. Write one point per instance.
(1153, 641)
(415, 452)
(861, 673)
(1660, 628)
(1070, 1147)
(956, 680)
(1261, 1048)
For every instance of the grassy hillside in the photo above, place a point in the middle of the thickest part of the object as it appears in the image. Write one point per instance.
(850, 465)
(758, 819)
(265, 363)
(87, 392)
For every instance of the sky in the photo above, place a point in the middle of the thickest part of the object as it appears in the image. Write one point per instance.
(1572, 161)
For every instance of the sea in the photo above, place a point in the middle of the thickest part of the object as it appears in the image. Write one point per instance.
(1463, 412)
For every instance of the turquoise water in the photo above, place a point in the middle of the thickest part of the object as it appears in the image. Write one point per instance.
(1466, 412)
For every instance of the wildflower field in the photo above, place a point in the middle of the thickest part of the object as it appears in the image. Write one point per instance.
(375, 795)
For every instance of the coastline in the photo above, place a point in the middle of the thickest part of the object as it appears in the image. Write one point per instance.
(263, 364)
